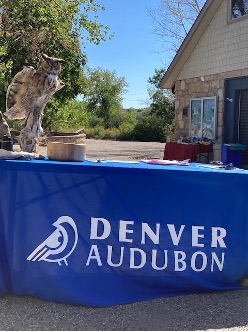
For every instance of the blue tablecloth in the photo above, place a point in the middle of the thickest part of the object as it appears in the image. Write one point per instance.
(109, 233)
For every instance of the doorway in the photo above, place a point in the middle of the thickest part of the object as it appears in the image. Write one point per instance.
(243, 123)
(235, 123)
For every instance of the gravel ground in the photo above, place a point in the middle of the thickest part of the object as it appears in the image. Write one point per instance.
(116, 150)
(205, 312)
(202, 312)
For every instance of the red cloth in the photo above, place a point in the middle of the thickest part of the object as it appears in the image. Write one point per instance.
(176, 151)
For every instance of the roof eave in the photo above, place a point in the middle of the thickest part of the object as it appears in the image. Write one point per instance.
(201, 23)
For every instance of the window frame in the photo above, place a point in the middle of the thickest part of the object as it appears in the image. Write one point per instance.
(234, 19)
(214, 127)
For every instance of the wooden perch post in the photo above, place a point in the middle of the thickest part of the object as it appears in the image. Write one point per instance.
(30, 134)
(32, 130)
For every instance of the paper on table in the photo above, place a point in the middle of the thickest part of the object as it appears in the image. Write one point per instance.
(219, 167)
(211, 166)
(4, 154)
(166, 162)
(112, 161)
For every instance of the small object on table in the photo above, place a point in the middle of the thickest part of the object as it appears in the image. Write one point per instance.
(7, 143)
(229, 166)
(40, 157)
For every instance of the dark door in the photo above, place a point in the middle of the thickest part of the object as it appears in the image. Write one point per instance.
(243, 123)
(235, 124)
(231, 124)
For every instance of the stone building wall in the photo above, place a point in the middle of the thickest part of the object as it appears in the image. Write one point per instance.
(199, 87)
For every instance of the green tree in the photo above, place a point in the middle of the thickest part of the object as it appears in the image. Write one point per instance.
(72, 115)
(148, 129)
(162, 101)
(58, 28)
(104, 95)
(5, 75)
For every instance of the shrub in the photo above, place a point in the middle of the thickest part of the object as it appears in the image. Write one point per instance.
(97, 132)
(126, 131)
(112, 133)
(149, 129)
(95, 121)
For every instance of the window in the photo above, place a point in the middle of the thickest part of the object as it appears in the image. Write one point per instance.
(239, 8)
(203, 117)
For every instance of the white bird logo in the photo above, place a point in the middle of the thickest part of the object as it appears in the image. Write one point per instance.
(57, 243)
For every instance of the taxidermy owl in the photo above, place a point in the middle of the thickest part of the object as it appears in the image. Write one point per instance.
(31, 89)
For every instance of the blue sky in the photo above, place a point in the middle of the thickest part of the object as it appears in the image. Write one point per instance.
(133, 51)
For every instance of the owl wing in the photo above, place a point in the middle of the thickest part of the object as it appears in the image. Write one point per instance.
(16, 92)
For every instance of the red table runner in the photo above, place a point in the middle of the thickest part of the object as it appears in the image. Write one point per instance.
(177, 151)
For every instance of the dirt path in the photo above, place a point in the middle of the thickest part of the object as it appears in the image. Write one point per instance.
(124, 150)
(119, 150)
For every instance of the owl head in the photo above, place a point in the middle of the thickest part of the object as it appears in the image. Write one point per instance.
(51, 65)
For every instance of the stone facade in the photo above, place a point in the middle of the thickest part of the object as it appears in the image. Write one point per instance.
(220, 53)
(199, 87)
